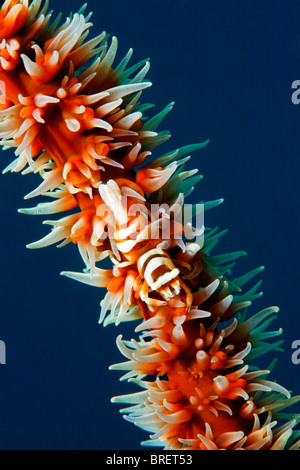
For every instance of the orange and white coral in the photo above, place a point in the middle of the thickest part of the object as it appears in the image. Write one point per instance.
(82, 128)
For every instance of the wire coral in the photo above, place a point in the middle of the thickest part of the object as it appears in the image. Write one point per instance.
(76, 119)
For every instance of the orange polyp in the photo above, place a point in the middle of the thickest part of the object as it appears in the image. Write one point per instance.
(221, 355)
(115, 284)
(57, 140)
(221, 384)
(233, 392)
(8, 50)
(209, 337)
(27, 111)
(203, 359)
(76, 176)
(12, 18)
(215, 363)
(247, 410)
(61, 93)
(102, 149)
(88, 114)
(84, 232)
(199, 343)
(151, 180)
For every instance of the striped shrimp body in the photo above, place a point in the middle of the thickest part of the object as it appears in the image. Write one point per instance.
(160, 274)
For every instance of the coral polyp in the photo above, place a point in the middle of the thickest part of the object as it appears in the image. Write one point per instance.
(74, 116)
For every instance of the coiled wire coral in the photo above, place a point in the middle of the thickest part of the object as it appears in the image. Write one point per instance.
(75, 117)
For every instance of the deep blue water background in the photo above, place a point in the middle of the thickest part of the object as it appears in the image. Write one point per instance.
(229, 67)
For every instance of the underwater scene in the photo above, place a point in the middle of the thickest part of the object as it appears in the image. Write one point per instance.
(180, 324)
